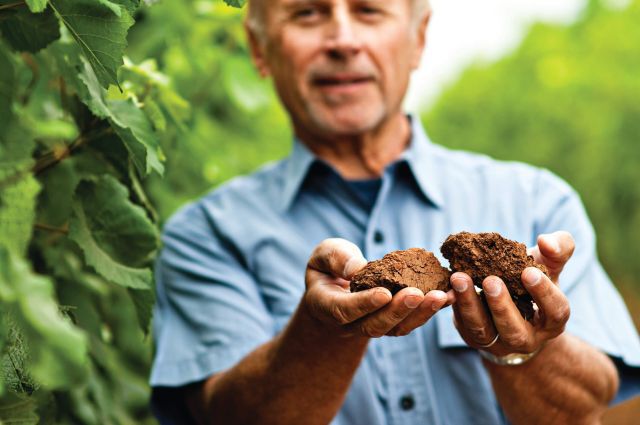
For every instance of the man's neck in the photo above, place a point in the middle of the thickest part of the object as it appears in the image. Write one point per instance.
(366, 155)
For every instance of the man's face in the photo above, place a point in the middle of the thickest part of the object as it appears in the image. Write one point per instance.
(341, 67)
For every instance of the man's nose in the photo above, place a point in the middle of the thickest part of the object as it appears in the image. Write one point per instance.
(343, 38)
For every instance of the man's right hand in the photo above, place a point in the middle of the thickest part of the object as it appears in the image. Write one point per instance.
(371, 313)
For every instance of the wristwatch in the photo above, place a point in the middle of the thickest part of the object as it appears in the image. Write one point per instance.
(514, 359)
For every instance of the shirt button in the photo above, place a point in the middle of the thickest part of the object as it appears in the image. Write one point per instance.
(407, 402)
(378, 236)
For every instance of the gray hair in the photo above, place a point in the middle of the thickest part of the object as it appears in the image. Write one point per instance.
(256, 15)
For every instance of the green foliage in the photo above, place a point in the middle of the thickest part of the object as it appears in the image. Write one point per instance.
(235, 122)
(18, 410)
(566, 99)
(99, 30)
(77, 231)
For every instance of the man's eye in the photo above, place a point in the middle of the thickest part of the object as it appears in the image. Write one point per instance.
(306, 14)
(367, 10)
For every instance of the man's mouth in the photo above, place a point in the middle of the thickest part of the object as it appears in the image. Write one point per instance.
(342, 80)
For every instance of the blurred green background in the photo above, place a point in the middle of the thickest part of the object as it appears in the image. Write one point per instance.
(566, 99)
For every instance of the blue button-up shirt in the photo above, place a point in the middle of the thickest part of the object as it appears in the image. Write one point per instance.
(231, 273)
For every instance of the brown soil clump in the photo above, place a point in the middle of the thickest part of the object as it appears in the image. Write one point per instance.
(414, 267)
(488, 254)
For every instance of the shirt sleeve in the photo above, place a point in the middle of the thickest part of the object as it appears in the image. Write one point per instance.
(209, 312)
(598, 313)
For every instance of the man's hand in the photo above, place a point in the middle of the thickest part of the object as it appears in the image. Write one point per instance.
(371, 313)
(479, 327)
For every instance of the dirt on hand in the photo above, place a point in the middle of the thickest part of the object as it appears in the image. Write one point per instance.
(414, 267)
(489, 254)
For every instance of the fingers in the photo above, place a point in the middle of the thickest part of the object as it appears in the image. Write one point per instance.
(554, 250)
(337, 257)
(337, 307)
(387, 318)
(433, 301)
(553, 305)
(472, 320)
(516, 334)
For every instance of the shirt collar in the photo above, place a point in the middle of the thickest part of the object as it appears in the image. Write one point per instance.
(296, 169)
(420, 157)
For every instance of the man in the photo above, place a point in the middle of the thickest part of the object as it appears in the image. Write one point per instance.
(249, 329)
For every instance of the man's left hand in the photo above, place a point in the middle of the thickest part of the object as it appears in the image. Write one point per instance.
(479, 326)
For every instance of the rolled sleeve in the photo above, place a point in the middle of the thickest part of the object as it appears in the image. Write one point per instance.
(209, 312)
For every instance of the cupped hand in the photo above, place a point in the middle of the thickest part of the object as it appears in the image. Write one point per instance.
(479, 325)
(370, 313)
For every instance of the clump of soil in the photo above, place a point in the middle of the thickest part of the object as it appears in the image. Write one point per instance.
(489, 254)
(414, 267)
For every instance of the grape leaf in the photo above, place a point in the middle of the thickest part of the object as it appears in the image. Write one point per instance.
(54, 202)
(99, 32)
(57, 349)
(17, 213)
(130, 122)
(115, 236)
(18, 410)
(29, 32)
(143, 302)
(130, 5)
(7, 88)
(36, 6)
(133, 127)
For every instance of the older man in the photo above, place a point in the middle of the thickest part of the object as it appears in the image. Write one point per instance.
(250, 330)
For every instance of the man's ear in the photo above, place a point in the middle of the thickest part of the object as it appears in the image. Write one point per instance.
(258, 54)
(421, 38)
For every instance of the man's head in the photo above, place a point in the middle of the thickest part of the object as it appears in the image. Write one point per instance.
(340, 67)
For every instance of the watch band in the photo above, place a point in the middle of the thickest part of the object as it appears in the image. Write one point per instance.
(514, 359)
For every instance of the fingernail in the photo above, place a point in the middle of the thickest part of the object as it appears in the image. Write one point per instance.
(381, 297)
(532, 276)
(412, 301)
(460, 285)
(493, 287)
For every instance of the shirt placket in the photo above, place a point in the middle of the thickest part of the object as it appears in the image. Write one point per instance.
(411, 394)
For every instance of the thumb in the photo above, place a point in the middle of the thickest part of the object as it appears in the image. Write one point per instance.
(337, 257)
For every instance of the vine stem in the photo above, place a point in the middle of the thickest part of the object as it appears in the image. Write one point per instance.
(12, 5)
(54, 156)
(41, 226)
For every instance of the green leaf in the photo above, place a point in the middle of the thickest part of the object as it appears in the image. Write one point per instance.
(29, 32)
(128, 120)
(17, 213)
(143, 302)
(18, 410)
(116, 237)
(235, 3)
(99, 32)
(36, 6)
(58, 186)
(133, 127)
(155, 115)
(56, 348)
(130, 5)
(7, 88)
(15, 359)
